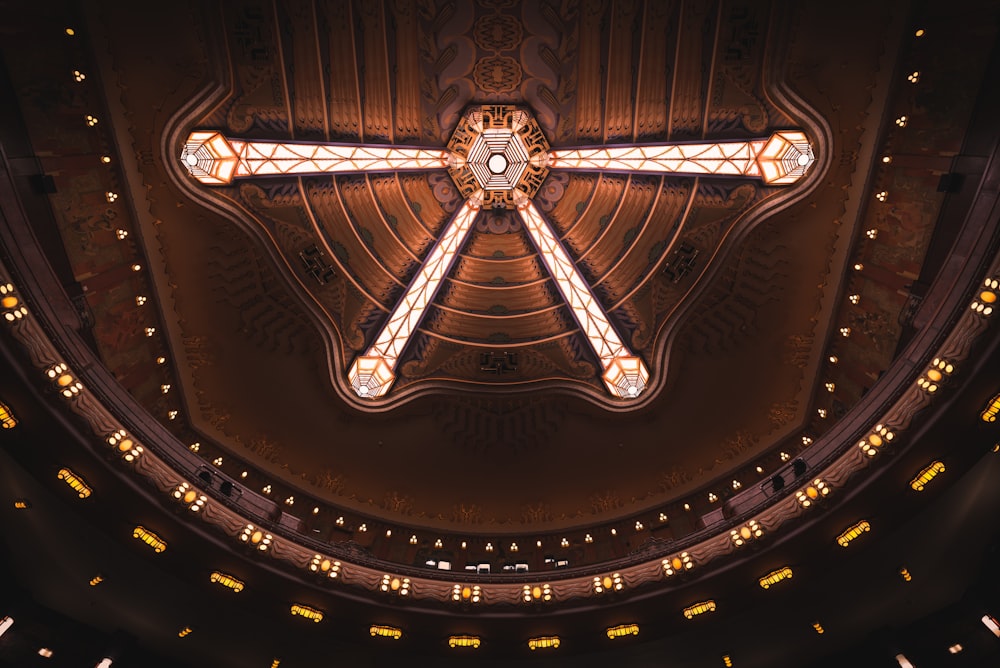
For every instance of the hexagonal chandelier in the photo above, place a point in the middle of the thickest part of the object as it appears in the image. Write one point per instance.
(498, 157)
(498, 151)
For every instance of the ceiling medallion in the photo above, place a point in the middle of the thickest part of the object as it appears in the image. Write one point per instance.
(498, 158)
(497, 151)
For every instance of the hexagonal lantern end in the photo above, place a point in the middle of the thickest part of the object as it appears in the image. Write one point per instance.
(210, 158)
(626, 377)
(785, 158)
(370, 376)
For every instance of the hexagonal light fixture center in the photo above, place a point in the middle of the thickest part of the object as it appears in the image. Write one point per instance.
(498, 150)
(497, 163)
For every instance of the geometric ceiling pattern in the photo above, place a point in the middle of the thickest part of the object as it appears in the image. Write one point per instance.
(498, 158)
(567, 314)
(504, 351)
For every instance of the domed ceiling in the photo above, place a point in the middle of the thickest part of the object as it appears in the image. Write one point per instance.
(270, 288)
(499, 281)
(308, 271)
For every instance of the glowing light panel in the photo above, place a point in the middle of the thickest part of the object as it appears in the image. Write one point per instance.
(149, 538)
(699, 609)
(307, 612)
(7, 420)
(495, 150)
(775, 577)
(852, 532)
(216, 160)
(385, 632)
(464, 641)
(623, 630)
(82, 489)
(227, 581)
(779, 159)
(497, 159)
(544, 642)
(372, 374)
(624, 373)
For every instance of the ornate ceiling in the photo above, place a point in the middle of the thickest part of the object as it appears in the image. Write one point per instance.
(354, 243)
(270, 289)
(498, 366)
(235, 314)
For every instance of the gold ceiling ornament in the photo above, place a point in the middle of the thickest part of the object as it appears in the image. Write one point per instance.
(991, 411)
(699, 609)
(383, 631)
(464, 641)
(543, 642)
(774, 577)
(926, 474)
(853, 532)
(307, 612)
(497, 74)
(7, 419)
(74, 480)
(151, 539)
(622, 630)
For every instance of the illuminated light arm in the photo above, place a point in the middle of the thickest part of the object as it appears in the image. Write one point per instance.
(214, 159)
(780, 159)
(624, 373)
(372, 373)
(588, 312)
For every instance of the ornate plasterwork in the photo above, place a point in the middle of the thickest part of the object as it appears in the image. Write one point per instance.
(498, 158)
(621, 232)
(499, 151)
(348, 565)
(435, 360)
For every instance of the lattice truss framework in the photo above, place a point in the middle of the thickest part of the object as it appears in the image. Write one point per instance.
(215, 160)
(729, 159)
(781, 159)
(498, 157)
(381, 358)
